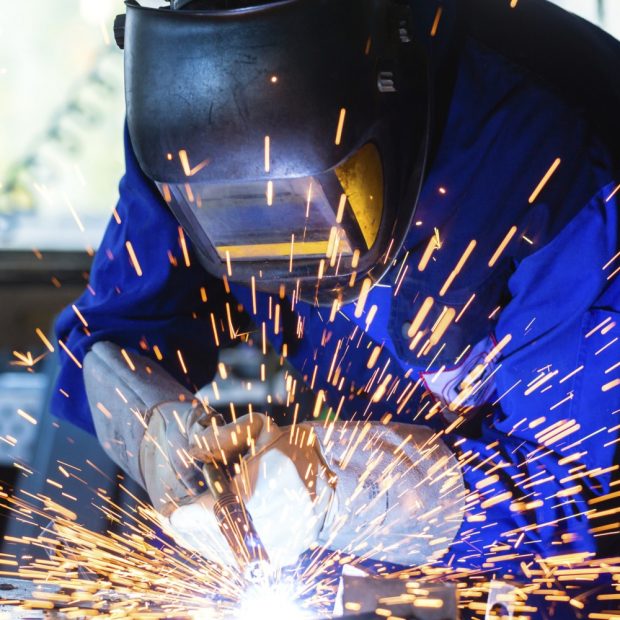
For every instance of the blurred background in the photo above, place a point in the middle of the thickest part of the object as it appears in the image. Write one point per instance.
(61, 104)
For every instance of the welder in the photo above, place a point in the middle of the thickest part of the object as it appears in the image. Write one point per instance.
(416, 203)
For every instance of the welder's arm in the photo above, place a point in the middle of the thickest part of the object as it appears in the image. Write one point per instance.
(159, 310)
(539, 473)
(143, 419)
(141, 416)
(392, 492)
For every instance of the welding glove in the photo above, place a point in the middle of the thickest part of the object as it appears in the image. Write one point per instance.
(388, 492)
(144, 420)
(281, 475)
(141, 416)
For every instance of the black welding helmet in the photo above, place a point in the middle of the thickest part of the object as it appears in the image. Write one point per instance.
(288, 138)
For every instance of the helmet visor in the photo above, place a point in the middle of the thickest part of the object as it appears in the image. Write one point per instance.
(332, 216)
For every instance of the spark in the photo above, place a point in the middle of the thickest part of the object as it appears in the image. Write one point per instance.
(26, 416)
(66, 349)
(435, 25)
(433, 244)
(269, 193)
(74, 214)
(419, 318)
(544, 180)
(267, 153)
(187, 168)
(340, 128)
(502, 246)
(361, 302)
(133, 258)
(183, 245)
(613, 193)
(459, 266)
(44, 339)
(609, 386)
(26, 360)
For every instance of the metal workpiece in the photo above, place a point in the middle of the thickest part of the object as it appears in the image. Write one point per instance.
(368, 598)
(19, 598)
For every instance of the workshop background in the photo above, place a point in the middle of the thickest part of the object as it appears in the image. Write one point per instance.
(61, 117)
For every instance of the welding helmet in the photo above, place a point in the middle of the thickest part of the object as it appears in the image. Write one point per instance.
(288, 138)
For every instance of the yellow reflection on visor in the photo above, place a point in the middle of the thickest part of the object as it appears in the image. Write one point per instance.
(269, 250)
(361, 178)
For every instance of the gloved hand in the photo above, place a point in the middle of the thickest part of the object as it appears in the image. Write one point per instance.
(141, 417)
(281, 476)
(144, 420)
(392, 492)
(389, 492)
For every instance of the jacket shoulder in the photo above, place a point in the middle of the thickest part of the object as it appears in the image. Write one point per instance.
(577, 60)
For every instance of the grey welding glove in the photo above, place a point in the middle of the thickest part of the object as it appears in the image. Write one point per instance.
(141, 417)
(388, 492)
(400, 492)
(144, 420)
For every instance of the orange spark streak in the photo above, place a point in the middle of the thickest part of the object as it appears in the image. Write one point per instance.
(26, 416)
(459, 266)
(79, 315)
(420, 316)
(187, 169)
(610, 385)
(440, 329)
(543, 181)
(497, 349)
(616, 190)
(361, 302)
(502, 246)
(133, 258)
(611, 260)
(435, 25)
(340, 128)
(183, 244)
(433, 244)
(267, 153)
(66, 349)
(128, 360)
(269, 193)
(462, 312)
(45, 341)
(215, 337)
(104, 410)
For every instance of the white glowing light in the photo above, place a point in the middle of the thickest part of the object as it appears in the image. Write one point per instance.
(276, 602)
(97, 11)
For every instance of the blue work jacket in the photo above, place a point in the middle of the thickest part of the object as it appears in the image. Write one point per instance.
(521, 204)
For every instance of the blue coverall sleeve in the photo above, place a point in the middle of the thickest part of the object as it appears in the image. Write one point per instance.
(156, 303)
(539, 472)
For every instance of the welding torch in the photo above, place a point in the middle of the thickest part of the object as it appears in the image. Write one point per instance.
(233, 519)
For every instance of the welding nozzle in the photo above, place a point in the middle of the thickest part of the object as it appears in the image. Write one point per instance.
(236, 524)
